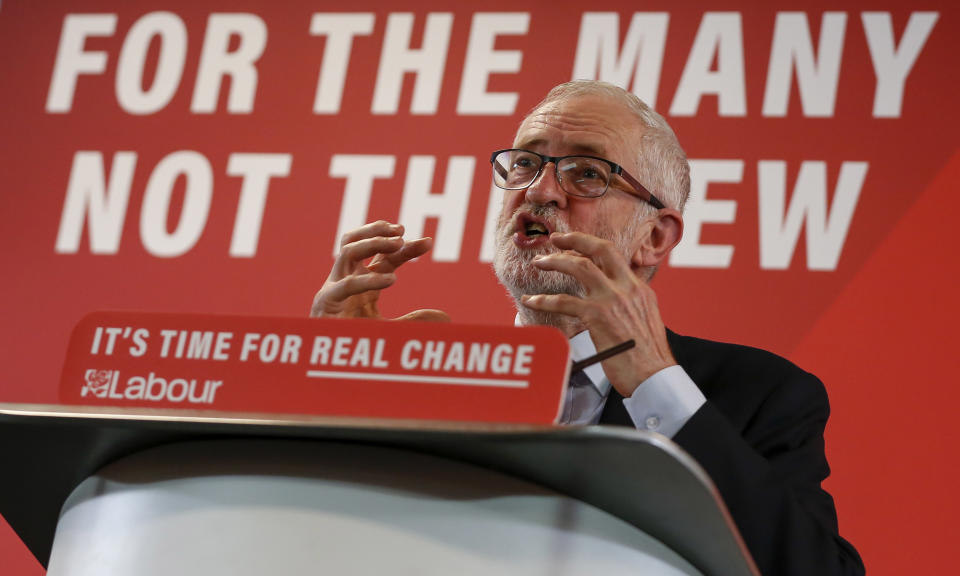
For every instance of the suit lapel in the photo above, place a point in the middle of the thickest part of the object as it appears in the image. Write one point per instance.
(614, 412)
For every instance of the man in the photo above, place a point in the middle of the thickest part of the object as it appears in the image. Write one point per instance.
(596, 182)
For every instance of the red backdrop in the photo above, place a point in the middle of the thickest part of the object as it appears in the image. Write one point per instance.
(200, 156)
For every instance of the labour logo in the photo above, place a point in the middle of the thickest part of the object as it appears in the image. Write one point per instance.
(97, 383)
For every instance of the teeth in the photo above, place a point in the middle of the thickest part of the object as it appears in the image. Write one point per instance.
(536, 228)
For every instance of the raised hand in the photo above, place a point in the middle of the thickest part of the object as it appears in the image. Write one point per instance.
(353, 288)
(617, 306)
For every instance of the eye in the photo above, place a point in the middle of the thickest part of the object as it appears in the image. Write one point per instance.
(584, 176)
(586, 170)
(589, 173)
(524, 162)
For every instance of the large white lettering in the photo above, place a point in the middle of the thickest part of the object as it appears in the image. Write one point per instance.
(397, 58)
(233, 43)
(450, 208)
(817, 76)
(339, 30)
(89, 198)
(719, 37)
(699, 210)
(826, 230)
(73, 60)
(171, 31)
(494, 207)
(360, 172)
(482, 60)
(892, 64)
(98, 199)
(641, 55)
(256, 171)
(196, 204)
(217, 61)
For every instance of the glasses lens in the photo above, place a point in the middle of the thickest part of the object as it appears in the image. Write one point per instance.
(515, 169)
(583, 176)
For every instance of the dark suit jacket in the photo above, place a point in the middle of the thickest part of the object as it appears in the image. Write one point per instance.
(760, 437)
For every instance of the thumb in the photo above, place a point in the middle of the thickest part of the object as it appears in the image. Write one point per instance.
(426, 315)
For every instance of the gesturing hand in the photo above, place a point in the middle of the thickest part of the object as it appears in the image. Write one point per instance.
(617, 306)
(353, 288)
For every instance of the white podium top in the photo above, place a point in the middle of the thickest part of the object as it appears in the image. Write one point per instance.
(252, 507)
(50, 450)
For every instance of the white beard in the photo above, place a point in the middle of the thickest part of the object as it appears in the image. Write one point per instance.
(516, 272)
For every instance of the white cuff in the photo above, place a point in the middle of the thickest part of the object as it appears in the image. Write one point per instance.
(664, 402)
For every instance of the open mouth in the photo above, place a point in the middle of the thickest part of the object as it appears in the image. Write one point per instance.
(531, 230)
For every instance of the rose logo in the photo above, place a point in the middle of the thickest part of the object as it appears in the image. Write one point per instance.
(97, 383)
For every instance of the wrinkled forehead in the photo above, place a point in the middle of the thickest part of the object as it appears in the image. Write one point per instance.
(593, 124)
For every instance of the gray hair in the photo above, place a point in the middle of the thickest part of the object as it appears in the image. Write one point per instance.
(664, 169)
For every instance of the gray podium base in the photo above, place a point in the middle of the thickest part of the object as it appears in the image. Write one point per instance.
(239, 507)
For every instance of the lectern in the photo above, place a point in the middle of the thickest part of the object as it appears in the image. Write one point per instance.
(230, 445)
(118, 491)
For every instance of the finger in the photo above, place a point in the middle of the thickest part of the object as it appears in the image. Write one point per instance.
(601, 251)
(425, 315)
(560, 303)
(409, 251)
(352, 285)
(580, 267)
(353, 253)
(370, 230)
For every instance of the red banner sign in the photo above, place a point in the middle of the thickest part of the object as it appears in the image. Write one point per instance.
(325, 367)
(206, 156)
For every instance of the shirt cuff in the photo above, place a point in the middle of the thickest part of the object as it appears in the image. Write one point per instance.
(664, 402)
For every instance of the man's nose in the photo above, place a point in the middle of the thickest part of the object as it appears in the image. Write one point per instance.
(546, 188)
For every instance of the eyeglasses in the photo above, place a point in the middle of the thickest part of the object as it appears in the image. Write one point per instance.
(582, 176)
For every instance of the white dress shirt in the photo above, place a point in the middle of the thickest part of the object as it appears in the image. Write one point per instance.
(662, 403)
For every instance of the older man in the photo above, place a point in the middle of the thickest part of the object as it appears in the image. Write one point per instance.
(596, 182)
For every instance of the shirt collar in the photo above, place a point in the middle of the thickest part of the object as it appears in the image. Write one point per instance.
(581, 346)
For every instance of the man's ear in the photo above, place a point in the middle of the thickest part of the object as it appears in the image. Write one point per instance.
(665, 231)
